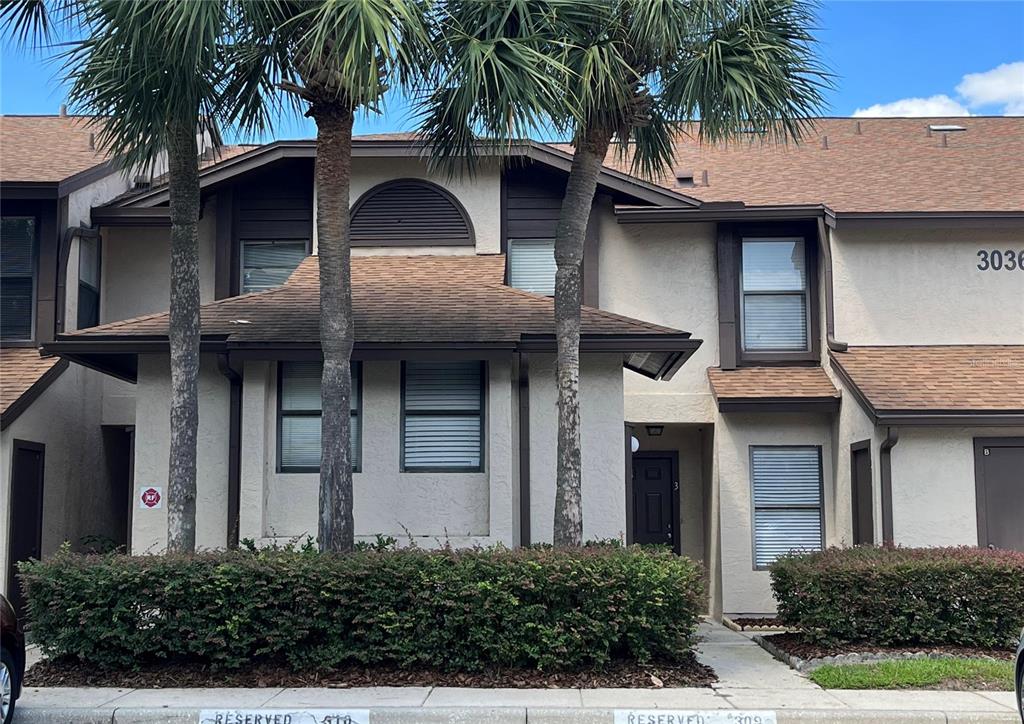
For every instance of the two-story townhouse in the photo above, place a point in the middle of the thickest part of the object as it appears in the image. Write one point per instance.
(859, 298)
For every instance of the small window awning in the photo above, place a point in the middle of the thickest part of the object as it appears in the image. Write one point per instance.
(402, 306)
(773, 389)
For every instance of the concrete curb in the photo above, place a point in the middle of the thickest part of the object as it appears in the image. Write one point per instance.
(505, 715)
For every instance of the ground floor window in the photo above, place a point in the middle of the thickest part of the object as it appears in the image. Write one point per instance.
(299, 411)
(442, 416)
(787, 496)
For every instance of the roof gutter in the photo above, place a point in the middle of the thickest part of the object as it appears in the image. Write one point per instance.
(725, 211)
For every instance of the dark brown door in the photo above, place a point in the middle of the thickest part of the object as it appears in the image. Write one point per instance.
(999, 471)
(654, 493)
(26, 513)
(863, 509)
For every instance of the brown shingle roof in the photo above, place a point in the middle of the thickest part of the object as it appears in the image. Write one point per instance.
(45, 148)
(20, 369)
(771, 383)
(889, 164)
(955, 378)
(421, 299)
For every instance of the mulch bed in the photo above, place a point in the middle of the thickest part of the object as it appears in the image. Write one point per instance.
(622, 674)
(794, 645)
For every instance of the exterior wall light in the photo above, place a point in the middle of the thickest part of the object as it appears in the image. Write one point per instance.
(655, 430)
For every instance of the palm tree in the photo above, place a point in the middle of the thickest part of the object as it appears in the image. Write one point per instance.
(335, 58)
(151, 72)
(622, 72)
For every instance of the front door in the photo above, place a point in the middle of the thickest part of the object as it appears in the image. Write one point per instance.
(863, 508)
(655, 491)
(26, 513)
(999, 472)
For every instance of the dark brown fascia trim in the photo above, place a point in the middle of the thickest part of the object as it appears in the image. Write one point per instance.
(277, 150)
(29, 190)
(827, 405)
(86, 177)
(131, 216)
(928, 215)
(725, 212)
(29, 396)
(926, 417)
(667, 342)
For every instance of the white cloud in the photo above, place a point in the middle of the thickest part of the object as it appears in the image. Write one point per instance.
(940, 105)
(1001, 86)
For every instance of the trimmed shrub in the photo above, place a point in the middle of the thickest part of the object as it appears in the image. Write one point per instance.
(452, 610)
(890, 596)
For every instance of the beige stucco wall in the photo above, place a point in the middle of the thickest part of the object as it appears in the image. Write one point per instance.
(912, 285)
(933, 485)
(75, 488)
(81, 201)
(433, 508)
(152, 448)
(745, 590)
(602, 446)
(665, 274)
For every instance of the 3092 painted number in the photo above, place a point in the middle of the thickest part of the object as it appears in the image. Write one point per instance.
(1000, 260)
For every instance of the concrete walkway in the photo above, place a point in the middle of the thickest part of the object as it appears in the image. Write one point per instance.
(750, 680)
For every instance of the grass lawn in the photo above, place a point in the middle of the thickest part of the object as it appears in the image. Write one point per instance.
(918, 674)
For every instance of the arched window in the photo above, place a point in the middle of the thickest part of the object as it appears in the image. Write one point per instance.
(410, 212)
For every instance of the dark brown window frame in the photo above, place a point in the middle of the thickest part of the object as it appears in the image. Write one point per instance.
(34, 313)
(356, 416)
(484, 379)
(730, 268)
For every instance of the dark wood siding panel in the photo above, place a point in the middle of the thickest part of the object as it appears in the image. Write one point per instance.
(533, 203)
(410, 212)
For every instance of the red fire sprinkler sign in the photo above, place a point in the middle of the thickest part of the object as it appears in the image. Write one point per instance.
(150, 498)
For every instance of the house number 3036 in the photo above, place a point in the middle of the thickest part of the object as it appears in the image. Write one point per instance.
(996, 260)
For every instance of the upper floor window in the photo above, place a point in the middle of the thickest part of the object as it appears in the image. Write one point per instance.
(268, 264)
(17, 276)
(531, 265)
(442, 416)
(774, 298)
(410, 212)
(787, 491)
(88, 282)
(299, 413)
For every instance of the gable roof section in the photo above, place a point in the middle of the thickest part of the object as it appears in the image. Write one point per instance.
(25, 375)
(862, 166)
(946, 384)
(46, 149)
(399, 302)
(407, 145)
(773, 389)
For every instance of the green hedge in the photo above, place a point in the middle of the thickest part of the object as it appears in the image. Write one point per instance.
(891, 596)
(452, 610)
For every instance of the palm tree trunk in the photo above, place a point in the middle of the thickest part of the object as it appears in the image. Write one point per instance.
(333, 178)
(569, 238)
(183, 186)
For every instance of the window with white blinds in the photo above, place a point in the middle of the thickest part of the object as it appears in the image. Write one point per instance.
(531, 265)
(299, 412)
(787, 490)
(268, 264)
(774, 295)
(17, 276)
(442, 416)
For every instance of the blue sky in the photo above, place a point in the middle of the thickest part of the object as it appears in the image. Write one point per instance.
(890, 58)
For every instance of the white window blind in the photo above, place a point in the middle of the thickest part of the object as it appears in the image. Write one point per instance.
(443, 416)
(774, 286)
(300, 412)
(787, 501)
(17, 276)
(531, 265)
(268, 264)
